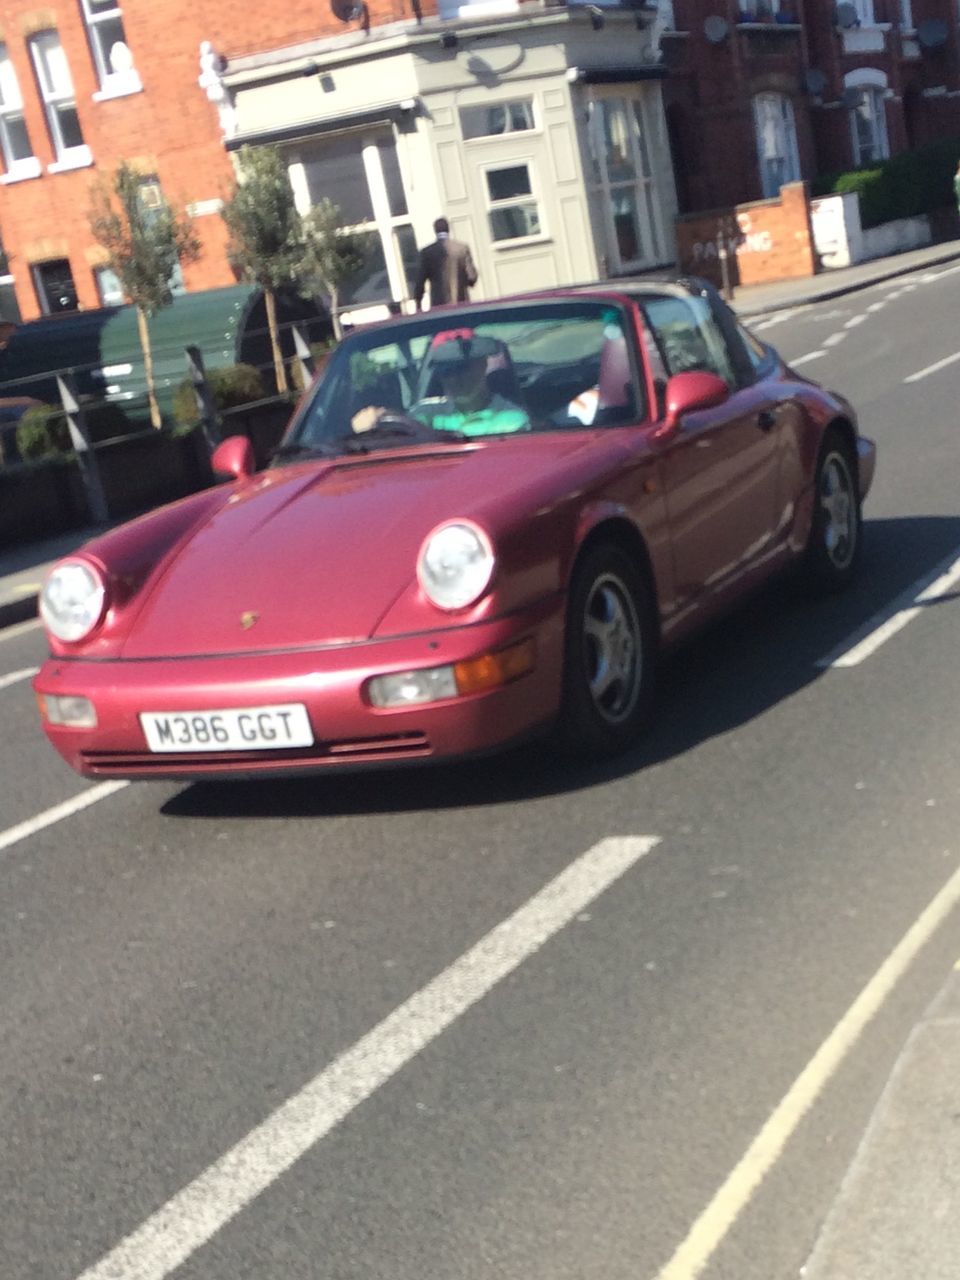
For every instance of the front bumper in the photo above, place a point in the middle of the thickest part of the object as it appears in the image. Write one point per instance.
(348, 731)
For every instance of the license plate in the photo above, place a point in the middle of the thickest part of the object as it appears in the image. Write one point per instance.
(233, 729)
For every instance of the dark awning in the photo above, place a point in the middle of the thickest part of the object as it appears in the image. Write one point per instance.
(383, 115)
(621, 75)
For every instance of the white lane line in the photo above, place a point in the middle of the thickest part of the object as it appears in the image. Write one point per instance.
(854, 321)
(876, 306)
(834, 339)
(716, 1220)
(196, 1213)
(933, 368)
(11, 633)
(867, 639)
(811, 355)
(13, 835)
(14, 676)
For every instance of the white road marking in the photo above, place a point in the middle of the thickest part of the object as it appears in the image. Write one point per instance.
(11, 633)
(13, 835)
(854, 321)
(867, 639)
(876, 306)
(834, 339)
(933, 368)
(14, 676)
(811, 355)
(716, 1220)
(196, 1213)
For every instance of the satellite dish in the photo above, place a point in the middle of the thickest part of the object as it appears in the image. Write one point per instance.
(715, 28)
(816, 81)
(847, 15)
(850, 98)
(347, 10)
(932, 32)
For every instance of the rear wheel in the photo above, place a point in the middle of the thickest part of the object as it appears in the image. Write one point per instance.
(610, 658)
(833, 551)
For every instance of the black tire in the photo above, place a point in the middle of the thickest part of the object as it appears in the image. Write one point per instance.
(610, 654)
(836, 532)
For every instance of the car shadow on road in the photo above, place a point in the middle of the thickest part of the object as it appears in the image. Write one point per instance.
(740, 668)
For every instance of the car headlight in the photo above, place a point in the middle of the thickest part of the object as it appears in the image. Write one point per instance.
(455, 564)
(72, 600)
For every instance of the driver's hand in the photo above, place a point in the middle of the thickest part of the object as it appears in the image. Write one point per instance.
(366, 418)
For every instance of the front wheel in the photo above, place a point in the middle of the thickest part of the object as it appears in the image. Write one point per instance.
(610, 657)
(833, 551)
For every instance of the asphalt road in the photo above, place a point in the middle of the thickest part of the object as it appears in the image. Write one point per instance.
(249, 1032)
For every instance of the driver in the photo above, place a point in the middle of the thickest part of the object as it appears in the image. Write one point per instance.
(468, 404)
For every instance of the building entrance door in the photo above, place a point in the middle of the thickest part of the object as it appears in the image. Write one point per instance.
(623, 182)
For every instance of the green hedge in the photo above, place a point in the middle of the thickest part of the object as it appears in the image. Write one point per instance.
(905, 186)
(232, 385)
(42, 431)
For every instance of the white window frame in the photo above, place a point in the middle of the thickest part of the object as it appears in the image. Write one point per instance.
(865, 12)
(525, 99)
(115, 82)
(787, 130)
(25, 166)
(53, 97)
(532, 197)
(872, 84)
(383, 224)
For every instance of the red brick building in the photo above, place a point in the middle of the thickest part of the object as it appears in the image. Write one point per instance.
(85, 84)
(762, 92)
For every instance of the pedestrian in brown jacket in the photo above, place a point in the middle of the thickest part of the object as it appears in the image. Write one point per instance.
(447, 266)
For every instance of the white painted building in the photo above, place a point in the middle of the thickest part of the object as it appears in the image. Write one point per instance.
(538, 132)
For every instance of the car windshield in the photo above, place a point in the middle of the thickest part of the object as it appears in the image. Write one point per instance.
(459, 374)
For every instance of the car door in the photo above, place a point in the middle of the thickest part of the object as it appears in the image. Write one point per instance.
(719, 466)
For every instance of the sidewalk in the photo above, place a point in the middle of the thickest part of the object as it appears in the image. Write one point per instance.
(758, 299)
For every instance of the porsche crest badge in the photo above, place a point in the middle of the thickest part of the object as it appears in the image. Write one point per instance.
(248, 619)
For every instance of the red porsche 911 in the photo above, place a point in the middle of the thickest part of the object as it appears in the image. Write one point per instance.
(483, 522)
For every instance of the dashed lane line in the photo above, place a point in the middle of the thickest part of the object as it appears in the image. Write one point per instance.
(811, 355)
(888, 621)
(212, 1199)
(13, 677)
(933, 368)
(13, 835)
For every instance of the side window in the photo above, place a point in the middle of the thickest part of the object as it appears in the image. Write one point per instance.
(689, 337)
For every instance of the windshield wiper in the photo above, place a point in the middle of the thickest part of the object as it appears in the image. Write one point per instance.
(300, 449)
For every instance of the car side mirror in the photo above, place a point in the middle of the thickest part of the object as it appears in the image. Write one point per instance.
(234, 457)
(689, 392)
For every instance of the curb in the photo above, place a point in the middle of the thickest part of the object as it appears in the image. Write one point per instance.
(838, 291)
(892, 1214)
(14, 611)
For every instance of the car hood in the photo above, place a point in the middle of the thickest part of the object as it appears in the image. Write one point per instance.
(317, 553)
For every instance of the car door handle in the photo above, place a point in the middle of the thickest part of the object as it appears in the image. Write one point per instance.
(766, 419)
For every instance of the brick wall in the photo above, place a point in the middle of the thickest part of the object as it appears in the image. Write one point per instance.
(171, 125)
(766, 240)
